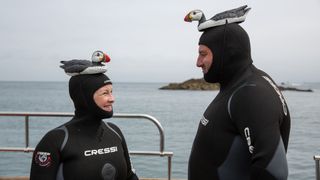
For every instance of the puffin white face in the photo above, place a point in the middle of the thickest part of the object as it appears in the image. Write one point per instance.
(99, 56)
(194, 15)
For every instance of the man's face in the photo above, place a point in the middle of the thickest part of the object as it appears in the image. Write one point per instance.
(205, 58)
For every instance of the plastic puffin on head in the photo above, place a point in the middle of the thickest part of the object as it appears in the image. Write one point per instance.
(236, 15)
(81, 66)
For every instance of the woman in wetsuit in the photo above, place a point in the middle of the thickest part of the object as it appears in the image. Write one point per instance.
(85, 147)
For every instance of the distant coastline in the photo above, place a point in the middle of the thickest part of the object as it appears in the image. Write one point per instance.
(201, 84)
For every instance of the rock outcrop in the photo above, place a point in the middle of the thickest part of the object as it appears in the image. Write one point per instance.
(283, 88)
(192, 84)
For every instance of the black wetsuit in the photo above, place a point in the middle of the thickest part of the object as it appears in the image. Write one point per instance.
(244, 132)
(85, 148)
(78, 150)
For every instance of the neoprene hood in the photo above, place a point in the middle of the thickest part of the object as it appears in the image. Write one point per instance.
(230, 46)
(81, 90)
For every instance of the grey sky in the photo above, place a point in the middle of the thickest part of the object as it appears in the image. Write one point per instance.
(148, 41)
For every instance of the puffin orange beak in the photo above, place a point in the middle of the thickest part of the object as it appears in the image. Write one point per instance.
(187, 18)
(106, 58)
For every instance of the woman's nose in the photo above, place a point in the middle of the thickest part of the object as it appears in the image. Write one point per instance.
(111, 99)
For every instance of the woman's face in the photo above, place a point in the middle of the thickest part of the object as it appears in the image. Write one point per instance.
(103, 97)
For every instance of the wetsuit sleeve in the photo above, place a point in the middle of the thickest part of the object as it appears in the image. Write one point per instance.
(46, 157)
(131, 174)
(257, 114)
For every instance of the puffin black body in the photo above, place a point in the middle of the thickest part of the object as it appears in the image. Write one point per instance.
(233, 13)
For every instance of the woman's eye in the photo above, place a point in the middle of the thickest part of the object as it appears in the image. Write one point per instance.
(107, 92)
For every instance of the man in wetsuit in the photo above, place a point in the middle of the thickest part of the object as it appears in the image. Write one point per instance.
(244, 132)
(85, 147)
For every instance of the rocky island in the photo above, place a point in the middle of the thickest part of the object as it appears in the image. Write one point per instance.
(201, 84)
(192, 84)
(284, 87)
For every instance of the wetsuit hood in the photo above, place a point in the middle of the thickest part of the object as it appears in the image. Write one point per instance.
(82, 89)
(230, 46)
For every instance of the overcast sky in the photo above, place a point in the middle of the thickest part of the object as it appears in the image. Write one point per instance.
(148, 41)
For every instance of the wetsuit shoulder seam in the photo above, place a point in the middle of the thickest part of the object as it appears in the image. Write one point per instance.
(113, 130)
(66, 136)
(233, 93)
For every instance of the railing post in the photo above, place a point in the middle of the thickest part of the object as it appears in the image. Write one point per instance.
(169, 167)
(27, 131)
(317, 159)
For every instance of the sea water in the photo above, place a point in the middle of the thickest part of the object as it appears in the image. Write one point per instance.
(179, 112)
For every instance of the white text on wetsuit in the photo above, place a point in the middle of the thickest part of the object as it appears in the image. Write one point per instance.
(247, 134)
(101, 151)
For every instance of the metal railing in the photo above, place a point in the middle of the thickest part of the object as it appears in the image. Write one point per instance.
(26, 149)
(317, 160)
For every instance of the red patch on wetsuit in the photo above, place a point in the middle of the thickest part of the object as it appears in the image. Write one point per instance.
(43, 159)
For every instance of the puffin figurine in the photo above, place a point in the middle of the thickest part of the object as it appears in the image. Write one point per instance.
(77, 66)
(236, 15)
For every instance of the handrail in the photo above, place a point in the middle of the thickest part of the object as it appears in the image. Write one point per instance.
(152, 119)
(68, 114)
(317, 160)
